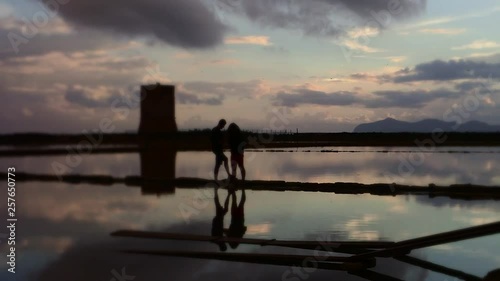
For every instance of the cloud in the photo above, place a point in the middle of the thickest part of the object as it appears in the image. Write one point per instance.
(53, 41)
(363, 32)
(378, 99)
(478, 44)
(214, 93)
(5, 10)
(435, 21)
(249, 40)
(408, 99)
(443, 31)
(100, 97)
(224, 61)
(471, 85)
(190, 98)
(187, 24)
(394, 59)
(248, 89)
(439, 70)
(355, 45)
(307, 96)
(328, 18)
(196, 24)
(53, 26)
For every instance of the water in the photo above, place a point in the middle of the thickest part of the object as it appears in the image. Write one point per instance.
(63, 229)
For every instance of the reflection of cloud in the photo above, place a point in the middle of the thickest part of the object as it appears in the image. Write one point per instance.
(399, 209)
(95, 261)
(476, 221)
(47, 243)
(262, 228)
(95, 204)
(355, 227)
(475, 207)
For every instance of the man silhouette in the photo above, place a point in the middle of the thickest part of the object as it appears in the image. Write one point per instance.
(217, 139)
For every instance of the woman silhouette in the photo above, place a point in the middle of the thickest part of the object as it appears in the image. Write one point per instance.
(237, 146)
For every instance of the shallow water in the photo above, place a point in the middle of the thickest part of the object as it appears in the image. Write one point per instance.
(364, 165)
(63, 229)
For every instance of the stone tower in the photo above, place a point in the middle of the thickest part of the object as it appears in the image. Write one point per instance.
(157, 109)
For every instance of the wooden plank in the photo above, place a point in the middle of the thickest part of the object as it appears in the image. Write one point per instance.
(332, 263)
(311, 245)
(438, 268)
(462, 191)
(372, 275)
(405, 247)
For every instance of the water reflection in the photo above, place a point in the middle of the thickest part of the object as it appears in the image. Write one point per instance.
(237, 227)
(65, 229)
(64, 234)
(218, 221)
(157, 164)
(161, 161)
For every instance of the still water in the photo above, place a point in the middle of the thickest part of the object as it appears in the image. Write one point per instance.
(63, 229)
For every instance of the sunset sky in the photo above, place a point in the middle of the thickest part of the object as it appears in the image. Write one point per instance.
(317, 65)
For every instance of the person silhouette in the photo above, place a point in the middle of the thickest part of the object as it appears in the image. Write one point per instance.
(237, 227)
(217, 140)
(237, 146)
(218, 221)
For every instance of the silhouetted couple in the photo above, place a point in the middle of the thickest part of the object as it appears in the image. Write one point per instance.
(237, 227)
(236, 144)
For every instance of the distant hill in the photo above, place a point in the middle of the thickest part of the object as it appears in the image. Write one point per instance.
(390, 125)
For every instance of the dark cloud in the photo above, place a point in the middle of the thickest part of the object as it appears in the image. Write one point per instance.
(194, 24)
(82, 98)
(223, 88)
(439, 70)
(380, 99)
(470, 85)
(306, 96)
(190, 98)
(397, 9)
(214, 93)
(311, 17)
(478, 87)
(322, 17)
(408, 99)
(187, 23)
(47, 43)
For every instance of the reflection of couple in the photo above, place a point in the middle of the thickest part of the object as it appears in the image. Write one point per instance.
(237, 145)
(237, 227)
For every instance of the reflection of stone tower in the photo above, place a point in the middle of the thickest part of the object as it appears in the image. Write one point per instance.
(158, 167)
(157, 109)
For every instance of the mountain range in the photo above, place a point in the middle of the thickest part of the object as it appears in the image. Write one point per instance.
(390, 125)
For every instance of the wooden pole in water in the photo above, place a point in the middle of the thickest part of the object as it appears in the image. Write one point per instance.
(404, 247)
(332, 263)
(330, 246)
(438, 268)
